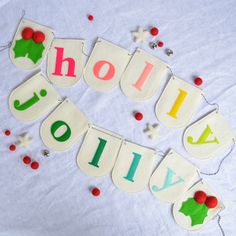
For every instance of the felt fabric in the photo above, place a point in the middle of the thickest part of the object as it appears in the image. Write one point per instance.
(55, 200)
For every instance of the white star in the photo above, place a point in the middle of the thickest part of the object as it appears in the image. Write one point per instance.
(152, 131)
(24, 140)
(140, 35)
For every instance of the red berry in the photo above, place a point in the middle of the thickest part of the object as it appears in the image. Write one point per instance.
(96, 192)
(38, 37)
(34, 165)
(90, 17)
(12, 147)
(198, 81)
(200, 197)
(27, 33)
(211, 202)
(138, 116)
(160, 44)
(26, 160)
(7, 132)
(154, 31)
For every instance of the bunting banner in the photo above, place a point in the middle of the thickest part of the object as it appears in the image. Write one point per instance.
(208, 136)
(172, 177)
(133, 167)
(178, 103)
(192, 212)
(98, 151)
(140, 75)
(66, 61)
(30, 44)
(63, 127)
(34, 98)
(105, 65)
(143, 76)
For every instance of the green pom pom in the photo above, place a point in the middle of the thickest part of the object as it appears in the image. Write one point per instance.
(29, 48)
(197, 212)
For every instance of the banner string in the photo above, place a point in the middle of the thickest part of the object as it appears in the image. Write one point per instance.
(8, 45)
(218, 169)
(221, 228)
(211, 104)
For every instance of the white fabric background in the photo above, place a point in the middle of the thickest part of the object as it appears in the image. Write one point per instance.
(55, 200)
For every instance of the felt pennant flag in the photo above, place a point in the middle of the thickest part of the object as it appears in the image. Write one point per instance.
(133, 167)
(34, 98)
(178, 103)
(196, 207)
(98, 151)
(143, 76)
(208, 136)
(105, 66)
(30, 44)
(172, 177)
(63, 127)
(66, 61)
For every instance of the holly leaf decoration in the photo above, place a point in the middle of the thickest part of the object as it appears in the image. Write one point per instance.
(197, 212)
(28, 48)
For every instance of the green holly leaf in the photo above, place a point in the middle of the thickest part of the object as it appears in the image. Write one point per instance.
(28, 48)
(197, 212)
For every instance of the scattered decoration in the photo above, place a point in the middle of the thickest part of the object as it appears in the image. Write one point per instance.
(138, 116)
(198, 81)
(24, 140)
(90, 17)
(140, 35)
(160, 44)
(46, 153)
(27, 160)
(154, 31)
(12, 147)
(96, 192)
(152, 45)
(152, 131)
(7, 132)
(34, 165)
(169, 52)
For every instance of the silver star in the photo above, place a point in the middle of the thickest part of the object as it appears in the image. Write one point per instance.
(140, 35)
(24, 140)
(152, 131)
(169, 52)
(46, 153)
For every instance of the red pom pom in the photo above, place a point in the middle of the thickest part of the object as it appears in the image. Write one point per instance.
(34, 165)
(138, 116)
(154, 31)
(7, 132)
(198, 81)
(211, 202)
(160, 44)
(90, 17)
(96, 192)
(200, 197)
(38, 37)
(12, 147)
(26, 160)
(27, 33)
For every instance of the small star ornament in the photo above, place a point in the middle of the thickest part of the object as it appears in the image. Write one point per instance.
(46, 153)
(152, 131)
(24, 140)
(169, 52)
(140, 35)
